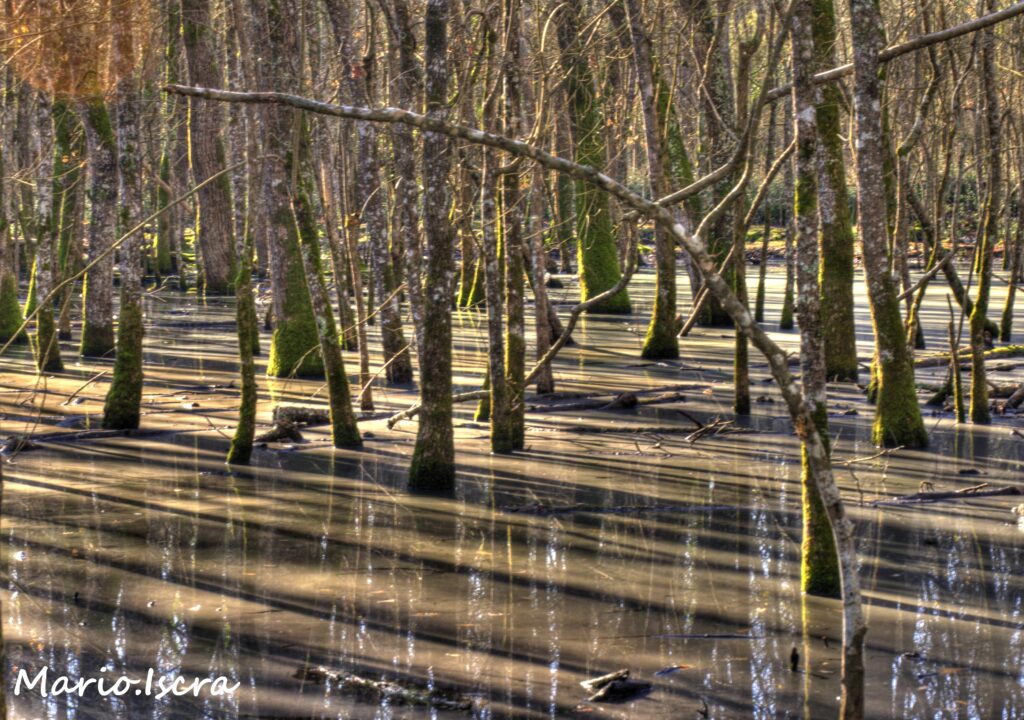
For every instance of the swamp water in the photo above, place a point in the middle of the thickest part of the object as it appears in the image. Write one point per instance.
(613, 542)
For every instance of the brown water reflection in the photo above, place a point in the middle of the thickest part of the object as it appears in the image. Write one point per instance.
(128, 553)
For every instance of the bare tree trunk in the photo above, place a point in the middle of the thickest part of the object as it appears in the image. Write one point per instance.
(819, 567)
(407, 87)
(215, 226)
(990, 227)
(122, 409)
(660, 342)
(512, 226)
(47, 349)
(542, 307)
(433, 459)
(371, 198)
(101, 151)
(897, 414)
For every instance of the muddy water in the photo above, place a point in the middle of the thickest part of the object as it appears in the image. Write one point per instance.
(590, 552)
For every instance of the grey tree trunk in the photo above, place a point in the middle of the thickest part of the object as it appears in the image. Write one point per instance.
(101, 152)
(433, 459)
(897, 414)
(215, 224)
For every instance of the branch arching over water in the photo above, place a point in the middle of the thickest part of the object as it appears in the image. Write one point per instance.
(819, 464)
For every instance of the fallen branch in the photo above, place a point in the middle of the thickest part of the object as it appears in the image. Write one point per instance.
(300, 415)
(87, 383)
(280, 431)
(975, 491)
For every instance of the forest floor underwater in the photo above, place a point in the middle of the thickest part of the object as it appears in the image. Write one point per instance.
(617, 539)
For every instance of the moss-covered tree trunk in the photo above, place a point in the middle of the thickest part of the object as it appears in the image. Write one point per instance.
(295, 344)
(122, 408)
(989, 235)
(836, 272)
(596, 252)
(433, 459)
(101, 152)
(819, 564)
(344, 429)
(897, 413)
(661, 341)
(215, 224)
(240, 451)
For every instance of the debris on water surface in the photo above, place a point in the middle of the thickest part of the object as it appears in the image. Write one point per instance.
(393, 691)
(16, 444)
(616, 687)
(668, 670)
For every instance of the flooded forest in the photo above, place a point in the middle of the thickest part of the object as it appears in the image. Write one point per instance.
(511, 359)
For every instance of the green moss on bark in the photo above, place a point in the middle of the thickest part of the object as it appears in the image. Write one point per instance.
(295, 345)
(819, 562)
(30, 299)
(836, 273)
(124, 398)
(10, 311)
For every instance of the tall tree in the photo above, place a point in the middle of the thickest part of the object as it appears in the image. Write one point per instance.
(898, 418)
(660, 342)
(214, 227)
(989, 234)
(433, 458)
(819, 566)
(836, 269)
(122, 407)
(595, 233)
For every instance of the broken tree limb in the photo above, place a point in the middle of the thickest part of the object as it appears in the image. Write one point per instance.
(300, 415)
(942, 359)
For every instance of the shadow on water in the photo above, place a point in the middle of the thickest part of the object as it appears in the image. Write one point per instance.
(591, 551)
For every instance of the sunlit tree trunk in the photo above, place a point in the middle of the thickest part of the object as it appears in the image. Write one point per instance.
(371, 198)
(10, 309)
